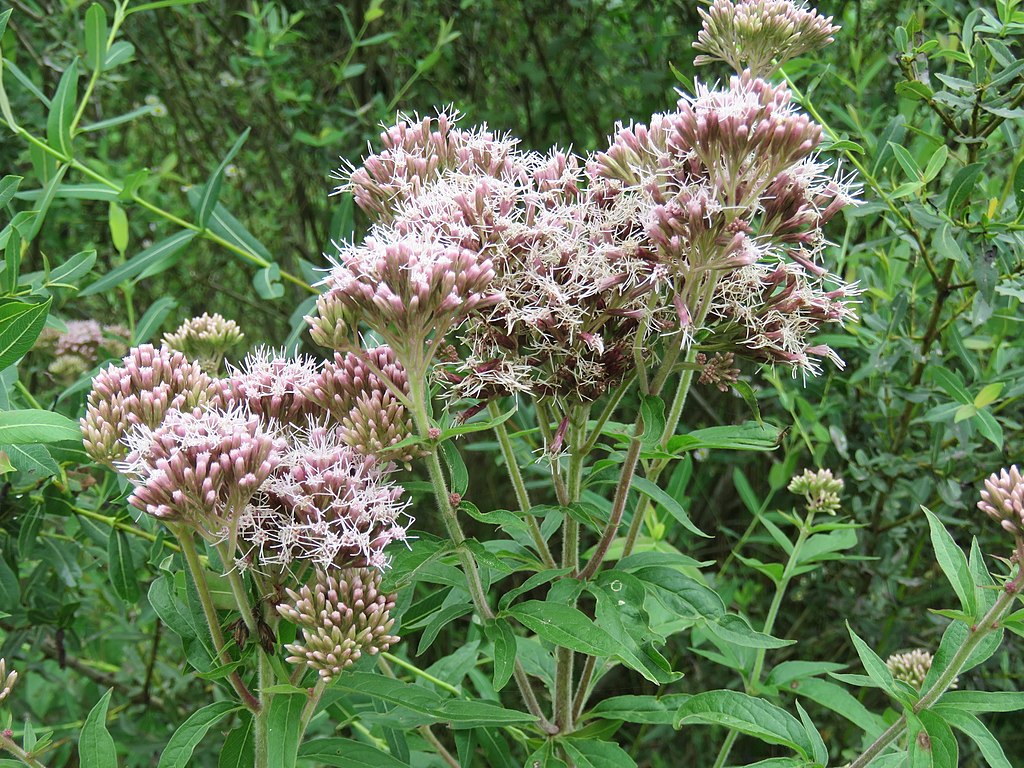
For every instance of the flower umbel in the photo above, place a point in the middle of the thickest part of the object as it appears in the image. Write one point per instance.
(820, 490)
(341, 619)
(751, 34)
(912, 667)
(206, 339)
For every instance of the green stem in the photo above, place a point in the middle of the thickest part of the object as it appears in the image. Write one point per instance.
(723, 753)
(423, 674)
(8, 744)
(261, 718)
(311, 703)
(238, 590)
(989, 623)
(195, 567)
(421, 418)
(519, 485)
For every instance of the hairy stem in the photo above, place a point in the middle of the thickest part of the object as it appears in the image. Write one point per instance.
(7, 743)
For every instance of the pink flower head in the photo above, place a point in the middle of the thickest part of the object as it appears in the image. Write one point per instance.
(199, 466)
(147, 384)
(326, 504)
(272, 385)
(371, 416)
(410, 289)
(1002, 499)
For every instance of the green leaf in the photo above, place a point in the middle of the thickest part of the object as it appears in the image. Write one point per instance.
(223, 224)
(950, 383)
(940, 743)
(237, 751)
(211, 191)
(267, 282)
(62, 111)
(972, 727)
(346, 753)
(37, 426)
(95, 746)
(9, 185)
(654, 710)
(284, 721)
(991, 429)
(961, 187)
(33, 460)
(504, 640)
(875, 667)
(154, 317)
(4, 16)
(118, 222)
(77, 266)
(652, 410)
(597, 754)
(140, 262)
(837, 699)
(673, 507)
(95, 36)
(750, 436)
(564, 626)
(1018, 189)
(984, 701)
(456, 467)
(179, 749)
(20, 325)
(906, 160)
(936, 163)
(119, 53)
(953, 563)
(122, 567)
(746, 714)
(988, 394)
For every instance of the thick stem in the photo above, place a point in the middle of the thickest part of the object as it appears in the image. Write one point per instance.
(519, 485)
(261, 719)
(988, 623)
(240, 594)
(421, 418)
(311, 703)
(195, 567)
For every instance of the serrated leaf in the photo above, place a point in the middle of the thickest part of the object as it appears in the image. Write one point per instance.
(564, 626)
(95, 745)
(62, 111)
(179, 749)
(457, 470)
(141, 261)
(874, 666)
(33, 460)
(346, 753)
(20, 325)
(972, 727)
(746, 714)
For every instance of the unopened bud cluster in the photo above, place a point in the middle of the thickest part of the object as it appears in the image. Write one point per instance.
(912, 667)
(81, 346)
(1002, 499)
(205, 339)
(752, 34)
(8, 680)
(820, 490)
(342, 618)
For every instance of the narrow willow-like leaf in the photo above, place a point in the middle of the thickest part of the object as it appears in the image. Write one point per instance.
(122, 567)
(953, 563)
(283, 723)
(95, 36)
(179, 749)
(62, 111)
(140, 262)
(95, 745)
(211, 191)
(66, 274)
(20, 325)
(151, 321)
(8, 187)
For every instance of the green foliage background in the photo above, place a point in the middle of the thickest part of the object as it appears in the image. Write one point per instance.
(930, 402)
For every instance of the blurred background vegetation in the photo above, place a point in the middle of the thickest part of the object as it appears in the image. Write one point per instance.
(929, 404)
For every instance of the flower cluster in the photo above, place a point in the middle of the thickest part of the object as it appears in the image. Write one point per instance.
(361, 391)
(341, 619)
(820, 490)
(199, 466)
(205, 339)
(326, 504)
(272, 385)
(79, 347)
(755, 33)
(1002, 499)
(718, 370)
(912, 667)
(148, 383)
